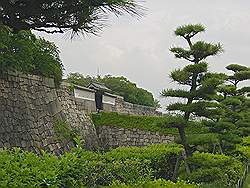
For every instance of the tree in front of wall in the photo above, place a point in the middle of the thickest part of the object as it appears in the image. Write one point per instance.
(26, 53)
(198, 86)
(59, 16)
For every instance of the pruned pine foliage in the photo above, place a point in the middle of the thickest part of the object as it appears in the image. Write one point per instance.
(199, 98)
(234, 122)
(58, 16)
(202, 84)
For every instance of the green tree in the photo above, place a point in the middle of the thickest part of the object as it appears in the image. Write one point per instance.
(234, 122)
(58, 16)
(198, 85)
(119, 86)
(80, 79)
(25, 53)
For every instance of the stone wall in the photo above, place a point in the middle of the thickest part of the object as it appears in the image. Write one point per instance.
(128, 108)
(29, 106)
(112, 137)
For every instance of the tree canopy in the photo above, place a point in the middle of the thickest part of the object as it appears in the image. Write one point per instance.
(58, 16)
(119, 86)
(26, 53)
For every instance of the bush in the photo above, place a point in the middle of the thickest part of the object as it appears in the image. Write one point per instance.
(214, 168)
(25, 169)
(162, 158)
(80, 168)
(24, 52)
(92, 169)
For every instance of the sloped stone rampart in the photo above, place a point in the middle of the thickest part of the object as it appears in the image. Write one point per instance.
(29, 106)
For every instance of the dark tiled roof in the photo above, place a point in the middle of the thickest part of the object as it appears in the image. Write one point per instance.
(98, 86)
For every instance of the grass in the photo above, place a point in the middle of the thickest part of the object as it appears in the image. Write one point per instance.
(161, 124)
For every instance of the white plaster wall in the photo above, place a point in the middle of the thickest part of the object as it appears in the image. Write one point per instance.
(84, 94)
(108, 100)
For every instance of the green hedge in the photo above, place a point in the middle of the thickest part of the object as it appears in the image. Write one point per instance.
(160, 183)
(25, 169)
(162, 124)
(214, 169)
(161, 158)
(82, 168)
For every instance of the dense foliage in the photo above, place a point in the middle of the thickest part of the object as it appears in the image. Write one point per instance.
(119, 86)
(26, 53)
(81, 168)
(161, 158)
(59, 16)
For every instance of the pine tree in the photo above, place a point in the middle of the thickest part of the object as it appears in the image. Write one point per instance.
(234, 122)
(59, 16)
(201, 84)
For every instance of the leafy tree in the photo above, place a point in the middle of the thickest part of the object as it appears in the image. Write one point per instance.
(119, 86)
(201, 85)
(58, 16)
(79, 79)
(25, 53)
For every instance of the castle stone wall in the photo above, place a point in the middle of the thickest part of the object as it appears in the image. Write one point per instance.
(128, 108)
(29, 107)
(112, 137)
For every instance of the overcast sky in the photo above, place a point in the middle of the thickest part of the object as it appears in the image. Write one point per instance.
(139, 49)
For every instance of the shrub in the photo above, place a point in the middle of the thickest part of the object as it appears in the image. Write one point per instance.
(80, 168)
(162, 158)
(128, 165)
(92, 169)
(214, 168)
(25, 169)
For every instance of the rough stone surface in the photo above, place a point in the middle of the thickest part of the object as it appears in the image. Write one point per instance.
(86, 105)
(128, 108)
(112, 137)
(29, 106)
